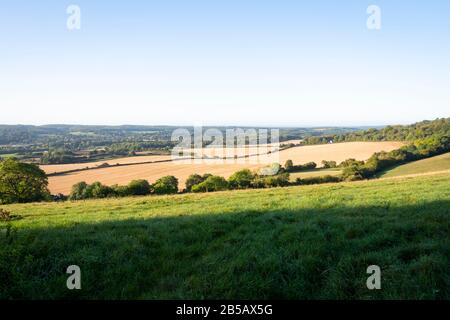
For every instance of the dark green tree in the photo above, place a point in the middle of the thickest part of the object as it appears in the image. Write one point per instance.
(194, 179)
(78, 191)
(139, 188)
(22, 182)
(166, 185)
(213, 183)
(241, 179)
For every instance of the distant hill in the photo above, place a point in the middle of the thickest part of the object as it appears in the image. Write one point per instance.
(419, 130)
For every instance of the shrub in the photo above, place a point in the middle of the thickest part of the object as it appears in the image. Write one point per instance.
(318, 180)
(138, 188)
(241, 179)
(59, 197)
(99, 191)
(280, 180)
(78, 191)
(329, 164)
(166, 185)
(120, 191)
(350, 162)
(82, 191)
(195, 179)
(288, 165)
(5, 215)
(301, 167)
(211, 184)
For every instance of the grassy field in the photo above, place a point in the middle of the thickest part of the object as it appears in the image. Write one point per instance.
(434, 164)
(153, 171)
(312, 242)
(315, 173)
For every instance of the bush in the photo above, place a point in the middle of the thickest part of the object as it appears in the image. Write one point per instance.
(59, 197)
(280, 180)
(211, 184)
(301, 167)
(5, 215)
(350, 162)
(318, 180)
(241, 179)
(195, 179)
(329, 164)
(288, 165)
(78, 191)
(99, 191)
(166, 185)
(82, 191)
(137, 188)
(120, 191)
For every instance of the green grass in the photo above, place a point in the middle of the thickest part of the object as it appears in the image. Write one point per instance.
(314, 173)
(438, 163)
(311, 242)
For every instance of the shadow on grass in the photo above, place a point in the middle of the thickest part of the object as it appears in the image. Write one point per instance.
(297, 254)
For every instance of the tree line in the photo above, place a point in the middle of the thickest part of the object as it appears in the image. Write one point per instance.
(420, 130)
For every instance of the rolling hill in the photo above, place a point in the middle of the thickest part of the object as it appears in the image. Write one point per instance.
(435, 164)
(311, 242)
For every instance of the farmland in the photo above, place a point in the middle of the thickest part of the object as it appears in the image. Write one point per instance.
(122, 175)
(308, 242)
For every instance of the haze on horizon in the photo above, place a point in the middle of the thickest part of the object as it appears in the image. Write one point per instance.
(218, 63)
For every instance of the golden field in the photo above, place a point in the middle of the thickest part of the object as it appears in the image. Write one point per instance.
(152, 171)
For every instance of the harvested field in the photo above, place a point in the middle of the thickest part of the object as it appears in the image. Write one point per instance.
(55, 168)
(123, 175)
(336, 152)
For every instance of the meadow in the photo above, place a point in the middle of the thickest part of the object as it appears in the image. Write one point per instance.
(152, 171)
(308, 242)
(439, 163)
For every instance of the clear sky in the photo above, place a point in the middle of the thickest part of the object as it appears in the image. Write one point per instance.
(224, 62)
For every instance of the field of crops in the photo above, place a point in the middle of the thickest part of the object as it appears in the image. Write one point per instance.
(311, 242)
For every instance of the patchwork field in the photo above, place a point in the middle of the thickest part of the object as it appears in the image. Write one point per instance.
(122, 175)
(311, 242)
(435, 164)
(55, 168)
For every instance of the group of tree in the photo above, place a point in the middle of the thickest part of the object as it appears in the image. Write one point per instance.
(419, 149)
(96, 190)
(417, 131)
(290, 167)
(243, 179)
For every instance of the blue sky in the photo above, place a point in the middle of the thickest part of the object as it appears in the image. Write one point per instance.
(217, 62)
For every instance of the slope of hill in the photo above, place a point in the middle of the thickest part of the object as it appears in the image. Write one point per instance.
(434, 164)
(312, 242)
